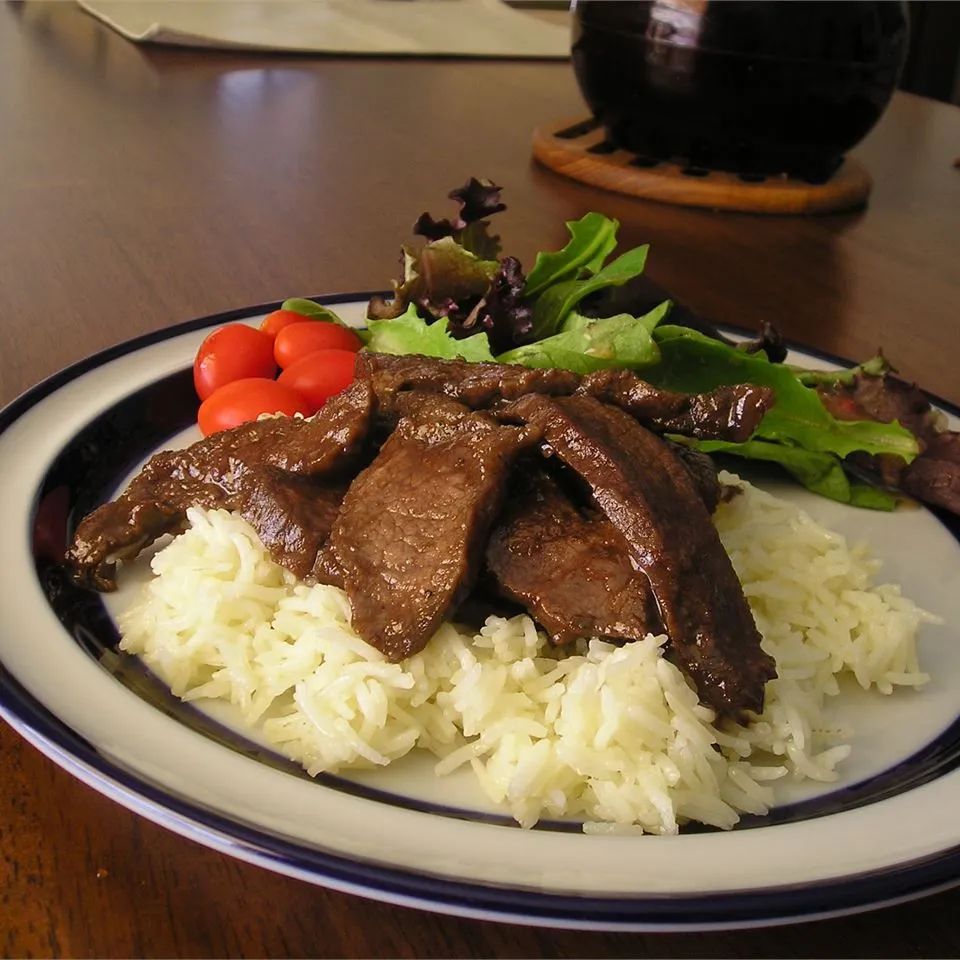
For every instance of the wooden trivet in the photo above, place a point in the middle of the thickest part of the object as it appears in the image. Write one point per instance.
(579, 149)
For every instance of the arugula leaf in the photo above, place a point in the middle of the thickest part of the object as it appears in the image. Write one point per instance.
(620, 341)
(592, 239)
(555, 303)
(821, 473)
(693, 363)
(409, 333)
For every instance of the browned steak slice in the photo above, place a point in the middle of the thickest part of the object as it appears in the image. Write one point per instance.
(225, 470)
(727, 413)
(410, 536)
(934, 476)
(326, 568)
(650, 498)
(292, 515)
(476, 385)
(703, 473)
(569, 567)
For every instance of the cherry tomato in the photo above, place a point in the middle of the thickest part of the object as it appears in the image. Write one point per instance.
(274, 322)
(244, 400)
(300, 339)
(320, 375)
(234, 352)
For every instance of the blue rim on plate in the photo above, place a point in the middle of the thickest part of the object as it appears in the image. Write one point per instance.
(87, 621)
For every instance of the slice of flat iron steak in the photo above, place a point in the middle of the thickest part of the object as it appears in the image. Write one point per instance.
(569, 567)
(222, 470)
(650, 498)
(476, 385)
(727, 413)
(292, 515)
(409, 539)
(703, 474)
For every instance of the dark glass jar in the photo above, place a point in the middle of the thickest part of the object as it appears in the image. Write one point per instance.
(753, 86)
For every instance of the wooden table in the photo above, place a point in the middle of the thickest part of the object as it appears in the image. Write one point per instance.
(141, 187)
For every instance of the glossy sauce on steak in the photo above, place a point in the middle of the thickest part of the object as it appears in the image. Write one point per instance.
(727, 413)
(476, 385)
(409, 539)
(555, 553)
(569, 567)
(649, 497)
(259, 469)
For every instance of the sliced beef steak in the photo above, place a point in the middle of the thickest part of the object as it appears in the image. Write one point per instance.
(649, 497)
(727, 413)
(410, 536)
(703, 473)
(258, 469)
(477, 385)
(569, 567)
(292, 515)
(934, 476)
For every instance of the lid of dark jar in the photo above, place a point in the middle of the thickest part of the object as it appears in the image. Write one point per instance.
(842, 31)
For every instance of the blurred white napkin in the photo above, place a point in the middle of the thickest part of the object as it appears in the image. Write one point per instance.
(477, 28)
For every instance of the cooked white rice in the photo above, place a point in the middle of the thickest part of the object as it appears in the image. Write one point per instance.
(612, 735)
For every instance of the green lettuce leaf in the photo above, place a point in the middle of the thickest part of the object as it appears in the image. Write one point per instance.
(693, 363)
(874, 367)
(592, 239)
(554, 305)
(821, 473)
(409, 333)
(620, 341)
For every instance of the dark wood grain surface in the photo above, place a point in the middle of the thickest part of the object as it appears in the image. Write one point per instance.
(140, 187)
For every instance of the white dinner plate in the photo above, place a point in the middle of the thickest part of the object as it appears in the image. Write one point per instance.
(886, 831)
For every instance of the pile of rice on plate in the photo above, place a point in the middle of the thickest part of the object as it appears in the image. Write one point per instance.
(610, 735)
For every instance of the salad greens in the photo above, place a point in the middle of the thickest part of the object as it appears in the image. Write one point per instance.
(592, 239)
(459, 298)
(822, 473)
(874, 367)
(693, 363)
(409, 333)
(555, 303)
(436, 279)
(588, 345)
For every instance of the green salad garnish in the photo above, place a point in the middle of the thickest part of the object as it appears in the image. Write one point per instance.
(459, 298)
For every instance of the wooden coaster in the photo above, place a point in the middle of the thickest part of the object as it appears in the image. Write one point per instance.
(579, 149)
